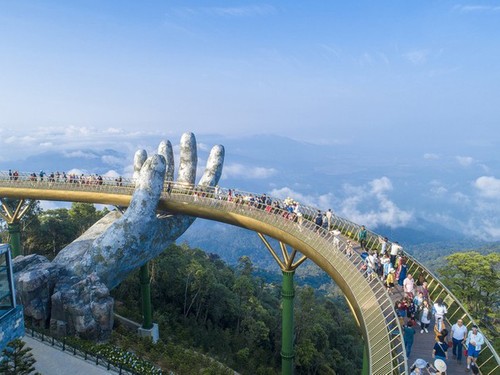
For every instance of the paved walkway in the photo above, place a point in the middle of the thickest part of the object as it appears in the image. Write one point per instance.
(423, 344)
(52, 361)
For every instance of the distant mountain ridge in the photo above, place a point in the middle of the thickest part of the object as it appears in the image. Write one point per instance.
(410, 197)
(230, 242)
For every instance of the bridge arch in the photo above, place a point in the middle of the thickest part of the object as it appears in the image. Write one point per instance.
(367, 299)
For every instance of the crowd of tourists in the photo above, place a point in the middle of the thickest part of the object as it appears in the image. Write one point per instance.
(416, 311)
(72, 178)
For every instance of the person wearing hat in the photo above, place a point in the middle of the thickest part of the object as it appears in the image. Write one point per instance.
(440, 367)
(474, 341)
(389, 282)
(418, 367)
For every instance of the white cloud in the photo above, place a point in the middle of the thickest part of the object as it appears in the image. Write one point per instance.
(237, 11)
(241, 171)
(461, 198)
(437, 189)
(431, 156)
(25, 140)
(333, 51)
(381, 185)
(111, 174)
(465, 161)
(74, 139)
(476, 8)
(383, 57)
(243, 11)
(79, 154)
(489, 187)
(112, 160)
(77, 172)
(372, 207)
(417, 57)
(322, 202)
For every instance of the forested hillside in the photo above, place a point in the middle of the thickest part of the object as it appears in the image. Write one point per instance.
(235, 317)
(232, 312)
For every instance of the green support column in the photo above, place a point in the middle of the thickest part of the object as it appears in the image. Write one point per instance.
(366, 363)
(15, 238)
(287, 294)
(146, 298)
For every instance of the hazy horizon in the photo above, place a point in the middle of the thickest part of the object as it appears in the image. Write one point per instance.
(385, 111)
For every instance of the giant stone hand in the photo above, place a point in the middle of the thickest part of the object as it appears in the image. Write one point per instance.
(116, 245)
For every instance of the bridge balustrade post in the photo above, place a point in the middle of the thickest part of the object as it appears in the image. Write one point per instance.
(287, 352)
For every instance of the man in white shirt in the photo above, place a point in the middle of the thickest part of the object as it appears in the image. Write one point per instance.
(329, 215)
(395, 248)
(458, 335)
(440, 310)
(408, 286)
(474, 341)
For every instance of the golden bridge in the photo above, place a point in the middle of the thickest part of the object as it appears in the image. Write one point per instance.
(372, 307)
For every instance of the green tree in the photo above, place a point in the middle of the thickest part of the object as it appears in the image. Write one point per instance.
(84, 215)
(475, 279)
(56, 231)
(17, 359)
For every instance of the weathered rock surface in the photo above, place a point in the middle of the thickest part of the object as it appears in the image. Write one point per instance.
(83, 307)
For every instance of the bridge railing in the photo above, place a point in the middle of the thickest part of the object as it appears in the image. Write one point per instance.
(383, 332)
(489, 360)
(386, 349)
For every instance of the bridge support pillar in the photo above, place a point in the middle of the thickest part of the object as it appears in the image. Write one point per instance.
(288, 267)
(148, 329)
(287, 352)
(366, 362)
(147, 316)
(15, 238)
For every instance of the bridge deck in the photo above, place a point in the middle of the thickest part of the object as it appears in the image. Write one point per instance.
(424, 342)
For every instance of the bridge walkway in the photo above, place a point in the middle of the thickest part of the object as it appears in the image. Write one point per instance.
(423, 342)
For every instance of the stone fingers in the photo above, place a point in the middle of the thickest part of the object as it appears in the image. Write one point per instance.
(149, 185)
(213, 170)
(139, 159)
(165, 150)
(188, 159)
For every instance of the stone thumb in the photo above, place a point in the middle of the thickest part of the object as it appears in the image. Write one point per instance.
(149, 186)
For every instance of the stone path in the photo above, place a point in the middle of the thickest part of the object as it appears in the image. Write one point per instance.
(52, 361)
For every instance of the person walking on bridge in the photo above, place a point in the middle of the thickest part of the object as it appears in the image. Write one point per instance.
(329, 216)
(458, 335)
(475, 340)
(408, 335)
(362, 237)
(440, 311)
(395, 249)
(409, 286)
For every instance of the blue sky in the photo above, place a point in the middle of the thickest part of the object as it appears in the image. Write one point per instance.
(406, 93)
(316, 70)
